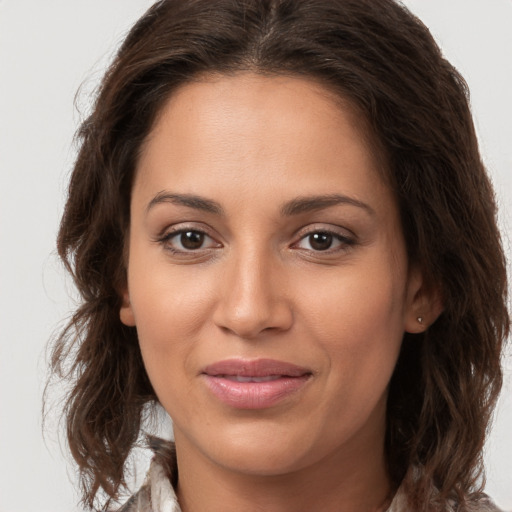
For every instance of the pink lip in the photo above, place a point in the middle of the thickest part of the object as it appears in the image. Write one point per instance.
(280, 380)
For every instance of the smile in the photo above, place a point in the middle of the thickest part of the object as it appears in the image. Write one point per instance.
(257, 384)
(239, 378)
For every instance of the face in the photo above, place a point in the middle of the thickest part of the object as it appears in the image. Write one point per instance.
(267, 274)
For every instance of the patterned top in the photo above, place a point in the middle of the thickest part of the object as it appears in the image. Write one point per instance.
(156, 495)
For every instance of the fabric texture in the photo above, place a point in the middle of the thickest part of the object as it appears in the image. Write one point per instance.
(157, 495)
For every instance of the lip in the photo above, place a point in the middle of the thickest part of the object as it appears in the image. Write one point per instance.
(254, 384)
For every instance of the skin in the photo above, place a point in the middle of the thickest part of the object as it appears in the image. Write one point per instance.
(257, 287)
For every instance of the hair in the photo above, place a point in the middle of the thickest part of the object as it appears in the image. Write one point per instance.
(381, 59)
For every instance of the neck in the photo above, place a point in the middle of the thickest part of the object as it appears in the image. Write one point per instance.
(350, 482)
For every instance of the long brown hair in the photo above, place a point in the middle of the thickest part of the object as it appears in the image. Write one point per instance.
(379, 57)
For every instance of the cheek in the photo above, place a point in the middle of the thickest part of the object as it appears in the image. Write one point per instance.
(356, 301)
(169, 309)
(358, 320)
(168, 328)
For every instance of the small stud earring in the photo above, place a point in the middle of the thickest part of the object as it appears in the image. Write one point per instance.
(420, 320)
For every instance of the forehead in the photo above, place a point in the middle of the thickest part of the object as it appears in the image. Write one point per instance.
(247, 120)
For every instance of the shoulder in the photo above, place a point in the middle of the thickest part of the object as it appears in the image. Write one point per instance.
(139, 502)
(480, 503)
(156, 495)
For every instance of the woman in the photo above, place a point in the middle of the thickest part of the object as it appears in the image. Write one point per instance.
(283, 234)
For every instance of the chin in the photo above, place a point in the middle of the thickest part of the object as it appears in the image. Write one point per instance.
(255, 447)
(264, 461)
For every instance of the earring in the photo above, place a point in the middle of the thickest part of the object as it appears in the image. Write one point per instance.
(420, 320)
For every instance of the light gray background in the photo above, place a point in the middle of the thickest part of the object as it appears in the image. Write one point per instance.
(47, 50)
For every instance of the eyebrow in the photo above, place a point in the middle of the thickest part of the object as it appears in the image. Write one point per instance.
(188, 200)
(313, 203)
(294, 207)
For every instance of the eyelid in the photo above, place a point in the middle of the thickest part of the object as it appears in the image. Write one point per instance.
(346, 237)
(170, 232)
(324, 228)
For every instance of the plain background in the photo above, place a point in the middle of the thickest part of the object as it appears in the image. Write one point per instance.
(47, 50)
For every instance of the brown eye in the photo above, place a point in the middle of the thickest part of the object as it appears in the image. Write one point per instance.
(191, 240)
(325, 241)
(320, 241)
(183, 241)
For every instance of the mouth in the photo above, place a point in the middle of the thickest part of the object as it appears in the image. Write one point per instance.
(239, 378)
(254, 384)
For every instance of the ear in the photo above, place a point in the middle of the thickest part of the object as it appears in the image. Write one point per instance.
(424, 303)
(126, 311)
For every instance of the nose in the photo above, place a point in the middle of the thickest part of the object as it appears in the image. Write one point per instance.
(253, 298)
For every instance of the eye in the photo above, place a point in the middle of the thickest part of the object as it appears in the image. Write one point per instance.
(188, 240)
(319, 241)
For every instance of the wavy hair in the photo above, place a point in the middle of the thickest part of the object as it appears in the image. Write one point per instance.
(383, 60)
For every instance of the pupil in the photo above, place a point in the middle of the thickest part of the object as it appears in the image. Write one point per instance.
(320, 241)
(192, 239)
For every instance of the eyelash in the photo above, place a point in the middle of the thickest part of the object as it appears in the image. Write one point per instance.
(165, 240)
(344, 242)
